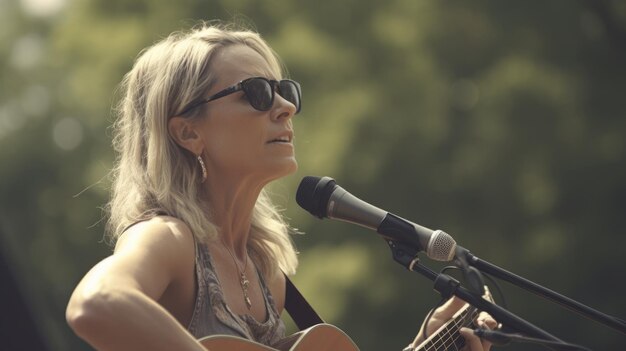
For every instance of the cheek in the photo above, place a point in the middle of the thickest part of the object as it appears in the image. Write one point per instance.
(233, 149)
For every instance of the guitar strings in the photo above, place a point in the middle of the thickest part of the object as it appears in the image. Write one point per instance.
(466, 320)
(451, 332)
(463, 321)
(448, 333)
(438, 339)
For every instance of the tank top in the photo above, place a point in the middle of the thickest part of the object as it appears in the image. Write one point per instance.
(211, 314)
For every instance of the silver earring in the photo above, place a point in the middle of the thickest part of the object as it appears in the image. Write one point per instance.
(203, 167)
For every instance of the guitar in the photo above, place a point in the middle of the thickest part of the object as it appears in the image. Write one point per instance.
(319, 337)
(326, 337)
(447, 337)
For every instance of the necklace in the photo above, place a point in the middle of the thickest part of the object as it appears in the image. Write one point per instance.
(243, 280)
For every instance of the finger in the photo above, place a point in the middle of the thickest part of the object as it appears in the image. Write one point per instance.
(487, 296)
(486, 345)
(448, 309)
(472, 341)
(490, 323)
(484, 320)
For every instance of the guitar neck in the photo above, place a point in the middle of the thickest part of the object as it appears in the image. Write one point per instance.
(448, 337)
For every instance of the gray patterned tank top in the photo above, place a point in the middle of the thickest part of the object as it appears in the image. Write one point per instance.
(212, 316)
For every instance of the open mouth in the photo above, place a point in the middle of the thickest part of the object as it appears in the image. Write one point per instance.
(285, 139)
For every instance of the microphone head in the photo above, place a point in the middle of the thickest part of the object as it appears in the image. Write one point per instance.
(441, 246)
(313, 194)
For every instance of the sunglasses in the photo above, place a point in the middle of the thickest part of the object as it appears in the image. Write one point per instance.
(260, 92)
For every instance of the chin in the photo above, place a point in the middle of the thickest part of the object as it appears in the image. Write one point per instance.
(294, 166)
(291, 167)
(285, 168)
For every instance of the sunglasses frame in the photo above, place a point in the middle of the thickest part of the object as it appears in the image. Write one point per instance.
(274, 84)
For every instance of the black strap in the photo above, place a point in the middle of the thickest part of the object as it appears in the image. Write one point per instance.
(299, 309)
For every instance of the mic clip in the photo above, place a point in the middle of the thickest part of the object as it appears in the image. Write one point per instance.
(407, 256)
(404, 254)
(472, 276)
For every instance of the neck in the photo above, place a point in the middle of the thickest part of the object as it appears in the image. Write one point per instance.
(231, 204)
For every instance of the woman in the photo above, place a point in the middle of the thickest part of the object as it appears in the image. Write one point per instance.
(205, 124)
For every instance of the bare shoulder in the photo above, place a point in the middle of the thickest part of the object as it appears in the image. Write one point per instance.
(157, 252)
(277, 285)
(159, 232)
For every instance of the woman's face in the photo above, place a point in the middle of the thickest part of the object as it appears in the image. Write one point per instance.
(240, 141)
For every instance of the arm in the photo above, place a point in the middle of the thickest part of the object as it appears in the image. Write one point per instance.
(114, 306)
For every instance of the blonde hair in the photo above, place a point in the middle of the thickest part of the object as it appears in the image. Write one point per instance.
(153, 175)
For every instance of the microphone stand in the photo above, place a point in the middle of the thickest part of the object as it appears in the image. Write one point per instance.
(448, 286)
(541, 291)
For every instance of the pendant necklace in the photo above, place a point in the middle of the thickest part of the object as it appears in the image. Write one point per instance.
(243, 280)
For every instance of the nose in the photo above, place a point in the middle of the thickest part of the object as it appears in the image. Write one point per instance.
(282, 109)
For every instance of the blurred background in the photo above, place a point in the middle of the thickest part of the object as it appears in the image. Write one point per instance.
(502, 123)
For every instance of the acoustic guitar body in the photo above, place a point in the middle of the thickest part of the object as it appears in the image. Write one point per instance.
(321, 337)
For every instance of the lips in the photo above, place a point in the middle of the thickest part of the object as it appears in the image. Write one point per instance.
(285, 137)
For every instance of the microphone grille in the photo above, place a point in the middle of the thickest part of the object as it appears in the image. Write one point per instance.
(441, 246)
(304, 195)
(313, 194)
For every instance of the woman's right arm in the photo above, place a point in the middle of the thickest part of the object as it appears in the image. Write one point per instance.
(114, 306)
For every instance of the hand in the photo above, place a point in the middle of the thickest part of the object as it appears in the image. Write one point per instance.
(445, 312)
(473, 342)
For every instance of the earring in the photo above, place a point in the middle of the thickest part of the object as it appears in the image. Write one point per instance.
(203, 167)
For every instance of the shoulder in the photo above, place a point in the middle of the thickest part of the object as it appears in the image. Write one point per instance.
(162, 238)
(277, 285)
(150, 257)
(155, 231)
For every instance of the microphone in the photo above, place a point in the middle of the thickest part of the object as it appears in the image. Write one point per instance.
(322, 197)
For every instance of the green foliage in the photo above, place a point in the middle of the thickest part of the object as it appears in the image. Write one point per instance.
(502, 123)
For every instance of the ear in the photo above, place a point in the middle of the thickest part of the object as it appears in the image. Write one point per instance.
(184, 132)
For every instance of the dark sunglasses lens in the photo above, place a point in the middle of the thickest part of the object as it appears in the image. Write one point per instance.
(259, 93)
(290, 91)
